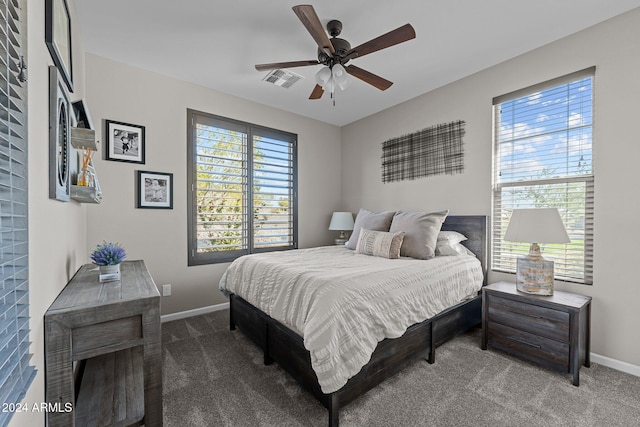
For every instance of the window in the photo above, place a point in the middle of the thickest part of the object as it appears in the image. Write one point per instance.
(543, 158)
(16, 372)
(243, 189)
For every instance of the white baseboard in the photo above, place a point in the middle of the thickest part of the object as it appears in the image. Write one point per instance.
(616, 364)
(194, 312)
(596, 358)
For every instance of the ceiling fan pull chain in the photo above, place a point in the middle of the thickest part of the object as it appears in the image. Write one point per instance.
(333, 96)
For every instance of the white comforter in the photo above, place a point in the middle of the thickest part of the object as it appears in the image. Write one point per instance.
(343, 303)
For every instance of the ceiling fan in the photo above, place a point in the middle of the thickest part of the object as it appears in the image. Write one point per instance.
(334, 53)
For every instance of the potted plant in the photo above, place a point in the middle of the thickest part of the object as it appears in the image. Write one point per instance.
(108, 257)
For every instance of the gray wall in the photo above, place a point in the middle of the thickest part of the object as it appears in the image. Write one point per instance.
(614, 49)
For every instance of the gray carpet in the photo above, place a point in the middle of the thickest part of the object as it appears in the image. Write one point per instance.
(215, 377)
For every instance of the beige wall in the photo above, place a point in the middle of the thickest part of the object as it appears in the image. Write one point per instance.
(119, 92)
(57, 230)
(614, 49)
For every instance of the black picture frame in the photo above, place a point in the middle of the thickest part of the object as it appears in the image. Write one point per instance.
(82, 116)
(59, 138)
(155, 190)
(124, 142)
(57, 32)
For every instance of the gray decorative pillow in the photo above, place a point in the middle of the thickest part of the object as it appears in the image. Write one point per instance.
(377, 221)
(380, 243)
(421, 232)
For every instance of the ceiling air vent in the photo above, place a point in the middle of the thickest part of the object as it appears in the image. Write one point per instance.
(283, 78)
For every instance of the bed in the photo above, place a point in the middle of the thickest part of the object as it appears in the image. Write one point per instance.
(281, 340)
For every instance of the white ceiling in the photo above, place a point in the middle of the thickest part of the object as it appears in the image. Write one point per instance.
(216, 43)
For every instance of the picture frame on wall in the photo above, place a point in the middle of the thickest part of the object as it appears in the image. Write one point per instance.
(82, 116)
(124, 142)
(155, 190)
(59, 137)
(58, 38)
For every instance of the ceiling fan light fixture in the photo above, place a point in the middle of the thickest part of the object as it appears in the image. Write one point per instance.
(340, 76)
(323, 76)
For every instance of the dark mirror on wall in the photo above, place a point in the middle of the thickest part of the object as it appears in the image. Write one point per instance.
(59, 122)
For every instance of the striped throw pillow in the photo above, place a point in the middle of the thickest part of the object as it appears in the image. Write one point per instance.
(380, 243)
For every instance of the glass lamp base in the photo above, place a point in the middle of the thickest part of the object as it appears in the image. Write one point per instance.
(534, 275)
(341, 239)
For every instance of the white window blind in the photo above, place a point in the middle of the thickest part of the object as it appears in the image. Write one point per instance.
(16, 372)
(543, 158)
(243, 189)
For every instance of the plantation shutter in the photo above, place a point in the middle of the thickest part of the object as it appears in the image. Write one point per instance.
(243, 189)
(221, 204)
(16, 372)
(272, 178)
(543, 158)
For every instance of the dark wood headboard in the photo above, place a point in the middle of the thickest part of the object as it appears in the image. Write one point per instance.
(475, 227)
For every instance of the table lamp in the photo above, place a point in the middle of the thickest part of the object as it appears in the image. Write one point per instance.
(341, 221)
(534, 274)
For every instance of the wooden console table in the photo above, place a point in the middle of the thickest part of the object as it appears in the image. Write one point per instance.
(112, 330)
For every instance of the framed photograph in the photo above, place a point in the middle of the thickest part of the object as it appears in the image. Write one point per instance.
(155, 190)
(125, 142)
(82, 117)
(59, 137)
(57, 34)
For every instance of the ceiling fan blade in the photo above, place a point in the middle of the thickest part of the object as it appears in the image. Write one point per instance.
(317, 92)
(291, 64)
(310, 20)
(399, 35)
(367, 77)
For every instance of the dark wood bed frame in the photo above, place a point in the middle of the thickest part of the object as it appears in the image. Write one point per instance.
(280, 344)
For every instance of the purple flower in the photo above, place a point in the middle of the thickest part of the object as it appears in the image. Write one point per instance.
(108, 254)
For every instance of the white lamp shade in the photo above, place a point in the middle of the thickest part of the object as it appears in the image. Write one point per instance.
(342, 221)
(542, 225)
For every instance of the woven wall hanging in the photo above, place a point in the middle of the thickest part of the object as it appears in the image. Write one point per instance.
(436, 150)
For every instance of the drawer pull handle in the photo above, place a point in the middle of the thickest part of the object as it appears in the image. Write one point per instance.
(525, 342)
(535, 316)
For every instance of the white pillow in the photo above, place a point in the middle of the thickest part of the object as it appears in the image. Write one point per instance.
(444, 248)
(451, 237)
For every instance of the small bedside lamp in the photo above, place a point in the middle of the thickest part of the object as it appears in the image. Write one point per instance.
(534, 274)
(341, 221)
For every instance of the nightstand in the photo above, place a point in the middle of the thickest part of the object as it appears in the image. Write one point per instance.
(552, 331)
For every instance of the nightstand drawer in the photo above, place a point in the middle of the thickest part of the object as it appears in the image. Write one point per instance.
(534, 348)
(528, 317)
